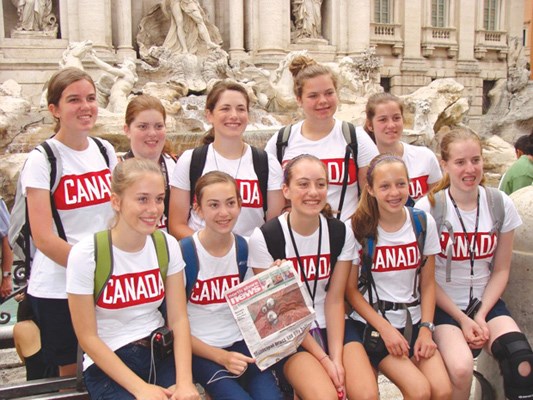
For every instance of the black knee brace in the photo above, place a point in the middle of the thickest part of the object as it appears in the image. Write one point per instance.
(511, 349)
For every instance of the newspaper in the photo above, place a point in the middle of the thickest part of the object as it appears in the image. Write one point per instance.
(273, 313)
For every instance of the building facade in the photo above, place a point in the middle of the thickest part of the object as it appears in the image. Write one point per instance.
(418, 40)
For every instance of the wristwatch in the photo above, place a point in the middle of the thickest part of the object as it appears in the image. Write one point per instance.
(428, 325)
(6, 274)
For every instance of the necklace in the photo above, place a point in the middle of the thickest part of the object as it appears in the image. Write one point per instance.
(238, 165)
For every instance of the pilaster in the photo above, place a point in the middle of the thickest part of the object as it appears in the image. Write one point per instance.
(122, 29)
(236, 35)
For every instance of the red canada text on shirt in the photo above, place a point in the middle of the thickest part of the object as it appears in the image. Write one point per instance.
(211, 291)
(250, 193)
(484, 247)
(396, 258)
(418, 186)
(312, 270)
(335, 168)
(78, 191)
(132, 289)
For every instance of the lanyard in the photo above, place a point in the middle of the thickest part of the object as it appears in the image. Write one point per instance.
(471, 246)
(300, 263)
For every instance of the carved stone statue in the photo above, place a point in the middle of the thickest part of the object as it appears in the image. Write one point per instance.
(176, 39)
(35, 15)
(307, 19)
(125, 79)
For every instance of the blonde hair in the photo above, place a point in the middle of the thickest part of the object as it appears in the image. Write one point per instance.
(458, 134)
(304, 68)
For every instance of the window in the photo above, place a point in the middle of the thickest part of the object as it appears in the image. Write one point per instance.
(382, 11)
(439, 12)
(490, 15)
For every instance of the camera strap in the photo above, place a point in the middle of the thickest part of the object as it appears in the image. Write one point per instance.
(470, 244)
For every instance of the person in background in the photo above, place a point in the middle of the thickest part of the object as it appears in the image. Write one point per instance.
(146, 129)
(520, 174)
(384, 124)
(5, 252)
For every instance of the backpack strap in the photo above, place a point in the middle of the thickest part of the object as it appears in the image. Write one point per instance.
(241, 251)
(438, 211)
(198, 157)
(103, 259)
(348, 131)
(274, 238)
(337, 236)
(497, 213)
(161, 249)
(282, 141)
(419, 224)
(102, 148)
(260, 161)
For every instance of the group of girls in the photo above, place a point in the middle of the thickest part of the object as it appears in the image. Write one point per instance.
(427, 363)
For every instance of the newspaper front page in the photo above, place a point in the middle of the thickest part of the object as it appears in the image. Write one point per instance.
(273, 313)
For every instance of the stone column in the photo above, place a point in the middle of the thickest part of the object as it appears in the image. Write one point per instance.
(358, 33)
(518, 295)
(70, 28)
(466, 30)
(2, 34)
(236, 35)
(123, 17)
(412, 28)
(92, 17)
(273, 23)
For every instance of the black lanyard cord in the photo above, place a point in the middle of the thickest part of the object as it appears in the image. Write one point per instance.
(300, 263)
(471, 245)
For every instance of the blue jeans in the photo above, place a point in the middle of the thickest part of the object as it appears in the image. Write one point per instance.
(254, 384)
(137, 358)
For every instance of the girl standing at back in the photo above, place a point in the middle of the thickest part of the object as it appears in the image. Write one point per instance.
(470, 279)
(384, 124)
(145, 128)
(394, 305)
(222, 363)
(72, 102)
(227, 106)
(115, 323)
(321, 134)
(305, 234)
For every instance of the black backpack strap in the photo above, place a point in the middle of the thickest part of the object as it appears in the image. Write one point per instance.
(348, 131)
(102, 149)
(198, 157)
(274, 238)
(260, 161)
(282, 141)
(337, 236)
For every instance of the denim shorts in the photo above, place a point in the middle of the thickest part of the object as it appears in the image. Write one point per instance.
(138, 359)
(58, 340)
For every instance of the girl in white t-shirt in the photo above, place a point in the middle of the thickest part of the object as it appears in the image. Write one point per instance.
(399, 307)
(221, 362)
(145, 128)
(384, 124)
(115, 326)
(475, 247)
(317, 371)
(81, 200)
(227, 107)
(320, 134)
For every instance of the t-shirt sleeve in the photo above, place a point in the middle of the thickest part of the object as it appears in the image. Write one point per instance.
(366, 148)
(423, 204)
(4, 219)
(80, 267)
(275, 174)
(258, 255)
(35, 172)
(110, 154)
(435, 173)
(175, 262)
(270, 146)
(432, 244)
(512, 218)
(180, 174)
(349, 252)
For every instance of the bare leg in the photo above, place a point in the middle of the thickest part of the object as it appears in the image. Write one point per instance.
(360, 377)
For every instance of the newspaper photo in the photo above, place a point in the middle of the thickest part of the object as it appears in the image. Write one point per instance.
(273, 313)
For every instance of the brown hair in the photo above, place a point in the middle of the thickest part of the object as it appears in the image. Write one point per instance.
(303, 68)
(59, 82)
(366, 217)
(455, 135)
(142, 103)
(211, 178)
(288, 170)
(373, 102)
(214, 96)
(127, 172)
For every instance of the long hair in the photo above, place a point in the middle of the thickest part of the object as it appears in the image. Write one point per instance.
(455, 135)
(365, 220)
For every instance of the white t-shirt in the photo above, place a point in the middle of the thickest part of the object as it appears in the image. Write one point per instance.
(252, 214)
(127, 310)
(331, 150)
(170, 164)
(82, 200)
(423, 169)
(394, 267)
(259, 257)
(210, 317)
(459, 287)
